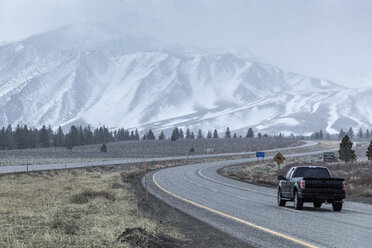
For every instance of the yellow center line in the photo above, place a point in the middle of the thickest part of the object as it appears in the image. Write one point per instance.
(234, 218)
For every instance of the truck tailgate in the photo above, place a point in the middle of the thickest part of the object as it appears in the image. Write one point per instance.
(324, 183)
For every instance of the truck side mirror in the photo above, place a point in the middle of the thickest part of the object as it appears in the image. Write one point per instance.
(281, 177)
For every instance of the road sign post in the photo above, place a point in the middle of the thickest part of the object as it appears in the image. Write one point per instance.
(260, 155)
(279, 158)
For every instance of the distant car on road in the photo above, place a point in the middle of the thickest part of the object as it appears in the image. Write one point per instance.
(329, 157)
(311, 184)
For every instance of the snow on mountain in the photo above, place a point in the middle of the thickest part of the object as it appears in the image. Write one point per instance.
(91, 74)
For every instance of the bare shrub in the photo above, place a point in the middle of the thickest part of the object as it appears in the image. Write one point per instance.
(128, 176)
(86, 195)
(68, 225)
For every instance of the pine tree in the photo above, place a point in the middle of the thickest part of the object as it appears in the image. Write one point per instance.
(367, 135)
(321, 135)
(162, 136)
(188, 133)
(81, 137)
(44, 137)
(9, 139)
(19, 138)
(350, 133)
(369, 151)
(33, 136)
(200, 134)
(345, 152)
(235, 136)
(108, 136)
(69, 141)
(259, 135)
(50, 134)
(192, 136)
(136, 134)
(360, 134)
(342, 134)
(250, 133)
(175, 134)
(181, 136)
(89, 138)
(215, 134)
(59, 137)
(2, 139)
(227, 133)
(314, 135)
(150, 135)
(103, 148)
(74, 136)
(209, 135)
(126, 134)
(144, 137)
(27, 137)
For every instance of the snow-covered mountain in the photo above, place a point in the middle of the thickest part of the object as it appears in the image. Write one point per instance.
(91, 74)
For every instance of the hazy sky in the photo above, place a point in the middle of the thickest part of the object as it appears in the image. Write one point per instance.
(329, 39)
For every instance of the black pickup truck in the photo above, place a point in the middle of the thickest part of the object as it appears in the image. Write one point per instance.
(311, 184)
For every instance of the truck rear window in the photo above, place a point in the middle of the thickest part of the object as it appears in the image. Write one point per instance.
(312, 172)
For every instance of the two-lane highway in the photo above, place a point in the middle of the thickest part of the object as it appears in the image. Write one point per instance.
(250, 212)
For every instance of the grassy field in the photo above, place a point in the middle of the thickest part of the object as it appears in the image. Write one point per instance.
(96, 207)
(74, 208)
(358, 175)
(130, 149)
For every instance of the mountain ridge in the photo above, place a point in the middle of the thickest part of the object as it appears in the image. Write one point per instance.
(136, 81)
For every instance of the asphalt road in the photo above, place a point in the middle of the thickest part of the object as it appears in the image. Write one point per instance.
(250, 212)
(61, 166)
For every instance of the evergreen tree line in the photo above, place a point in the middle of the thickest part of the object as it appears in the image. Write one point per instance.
(367, 135)
(23, 137)
(178, 133)
(359, 135)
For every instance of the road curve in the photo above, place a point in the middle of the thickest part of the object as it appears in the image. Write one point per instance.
(250, 212)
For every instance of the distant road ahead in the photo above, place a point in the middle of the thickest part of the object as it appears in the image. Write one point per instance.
(250, 212)
(61, 166)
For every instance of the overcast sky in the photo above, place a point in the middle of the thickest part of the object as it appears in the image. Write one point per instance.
(329, 39)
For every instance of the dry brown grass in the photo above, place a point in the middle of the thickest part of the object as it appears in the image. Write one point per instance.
(358, 176)
(262, 172)
(73, 208)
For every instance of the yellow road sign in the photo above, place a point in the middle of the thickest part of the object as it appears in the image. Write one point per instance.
(279, 158)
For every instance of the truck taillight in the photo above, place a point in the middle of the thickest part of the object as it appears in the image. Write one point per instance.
(302, 184)
(343, 185)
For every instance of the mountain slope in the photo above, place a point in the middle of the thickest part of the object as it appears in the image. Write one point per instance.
(92, 74)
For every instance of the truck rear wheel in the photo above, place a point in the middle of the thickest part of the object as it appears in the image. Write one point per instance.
(281, 202)
(298, 203)
(337, 206)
